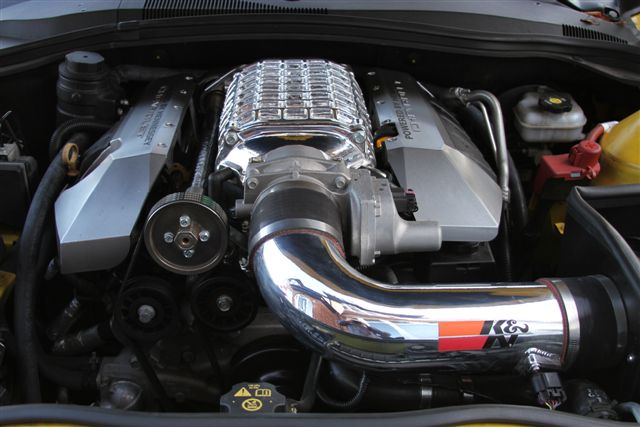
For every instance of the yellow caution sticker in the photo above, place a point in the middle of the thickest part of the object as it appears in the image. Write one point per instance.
(243, 392)
(252, 404)
(253, 397)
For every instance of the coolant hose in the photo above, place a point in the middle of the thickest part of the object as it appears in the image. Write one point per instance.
(27, 276)
(63, 132)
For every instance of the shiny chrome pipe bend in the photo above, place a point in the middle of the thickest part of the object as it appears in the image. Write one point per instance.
(335, 310)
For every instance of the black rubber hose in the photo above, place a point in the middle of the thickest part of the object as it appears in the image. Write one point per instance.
(518, 203)
(504, 242)
(63, 132)
(459, 415)
(27, 276)
(352, 402)
(215, 181)
(308, 397)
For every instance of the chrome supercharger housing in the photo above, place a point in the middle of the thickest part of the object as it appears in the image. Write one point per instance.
(275, 103)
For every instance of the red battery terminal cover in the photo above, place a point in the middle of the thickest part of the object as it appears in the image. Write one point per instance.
(582, 162)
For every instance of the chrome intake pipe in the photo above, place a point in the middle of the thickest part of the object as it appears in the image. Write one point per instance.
(335, 310)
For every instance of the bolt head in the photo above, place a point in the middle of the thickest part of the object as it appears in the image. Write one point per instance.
(168, 237)
(231, 138)
(252, 183)
(185, 221)
(189, 253)
(359, 137)
(340, 182)
(224, 303)
(204, 235)
(146, 313)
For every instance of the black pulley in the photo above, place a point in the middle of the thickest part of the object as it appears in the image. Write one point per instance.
(147, 310)
(224, 303)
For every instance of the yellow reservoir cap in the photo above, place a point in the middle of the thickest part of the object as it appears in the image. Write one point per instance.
(620, 159)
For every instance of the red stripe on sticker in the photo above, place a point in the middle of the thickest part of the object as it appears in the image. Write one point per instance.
(461, 343)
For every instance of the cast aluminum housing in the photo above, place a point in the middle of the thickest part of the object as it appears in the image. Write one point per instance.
(313, 102)
(434, 157)
(95, 217)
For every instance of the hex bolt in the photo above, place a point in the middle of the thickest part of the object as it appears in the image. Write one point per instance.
(185, 221)
(252, 183)
(188, 253)
(340, 182)
(204, 235)
(168, 237)
(359, 137)
(146, 313)
(231, 138)
(224, 303)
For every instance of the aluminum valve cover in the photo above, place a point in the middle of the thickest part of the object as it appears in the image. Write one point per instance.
(435, 158)
(95, 217)
(294, 102)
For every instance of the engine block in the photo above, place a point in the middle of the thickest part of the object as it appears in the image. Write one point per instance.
(275, 103)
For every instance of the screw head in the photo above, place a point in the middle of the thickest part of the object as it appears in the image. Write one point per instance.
(231, 138)
(184, 221)
(204, 235)
(224, 303)
(340, 182)
(252, 183)
(188, 253)
(168, 237)
(359, 137)
(146, 313)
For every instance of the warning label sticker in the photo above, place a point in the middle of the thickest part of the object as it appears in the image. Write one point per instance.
(253, 397)
(252, 405)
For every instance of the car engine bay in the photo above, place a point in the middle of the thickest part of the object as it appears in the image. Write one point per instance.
(298, 234)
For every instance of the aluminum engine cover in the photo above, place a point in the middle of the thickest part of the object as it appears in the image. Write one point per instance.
(435, 158)
(95, 217)
(275, 103)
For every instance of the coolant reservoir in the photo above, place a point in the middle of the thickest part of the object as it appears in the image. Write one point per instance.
(546, 116)
(620, 160)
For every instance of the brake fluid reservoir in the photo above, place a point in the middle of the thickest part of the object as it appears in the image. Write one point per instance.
(620, 158)
(547, 116)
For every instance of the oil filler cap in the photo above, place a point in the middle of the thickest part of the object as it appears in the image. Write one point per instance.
(248, 398)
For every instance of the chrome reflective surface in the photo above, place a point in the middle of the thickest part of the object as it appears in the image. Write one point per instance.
(344, 315)
(281, 102)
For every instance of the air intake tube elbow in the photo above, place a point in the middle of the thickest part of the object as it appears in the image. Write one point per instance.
(297, 256)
